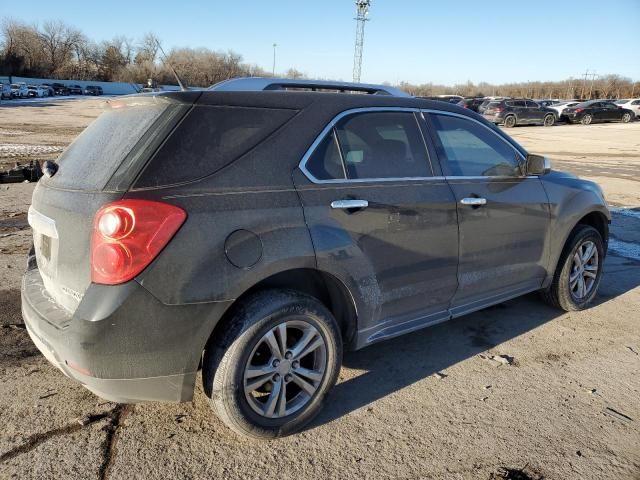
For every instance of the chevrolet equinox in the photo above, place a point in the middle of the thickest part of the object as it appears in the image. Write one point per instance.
(256, 229)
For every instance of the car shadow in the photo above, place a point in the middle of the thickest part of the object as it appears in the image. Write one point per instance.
(395, 364)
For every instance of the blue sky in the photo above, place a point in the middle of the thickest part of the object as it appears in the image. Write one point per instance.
(417, 41)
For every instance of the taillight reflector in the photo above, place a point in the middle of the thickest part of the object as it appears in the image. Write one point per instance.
(128, 235)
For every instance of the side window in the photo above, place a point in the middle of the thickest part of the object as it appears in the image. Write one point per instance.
(326, 163)
(531, 104)
(472, 150)
(382, 145)
(635, 102)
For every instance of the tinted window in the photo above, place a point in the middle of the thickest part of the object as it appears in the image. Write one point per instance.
(531, 104)
(471, 149)
(518, 103)
(208, 139)
(382, 145)
(635, 102)
(326, 163)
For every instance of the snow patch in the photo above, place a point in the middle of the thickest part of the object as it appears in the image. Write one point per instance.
(10, 150)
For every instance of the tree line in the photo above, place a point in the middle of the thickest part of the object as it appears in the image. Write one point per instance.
(58, 50)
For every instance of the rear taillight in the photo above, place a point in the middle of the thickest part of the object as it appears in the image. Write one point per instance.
(578, 110)
(128, 235)
(498, 109)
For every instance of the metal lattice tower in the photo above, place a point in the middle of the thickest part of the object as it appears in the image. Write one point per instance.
(362, 10)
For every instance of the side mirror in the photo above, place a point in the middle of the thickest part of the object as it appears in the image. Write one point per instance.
(537, 165)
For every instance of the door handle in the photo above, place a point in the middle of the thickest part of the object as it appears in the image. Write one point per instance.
(474, 201)
(347, 204)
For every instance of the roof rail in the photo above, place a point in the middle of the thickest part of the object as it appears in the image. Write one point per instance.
(255, 84)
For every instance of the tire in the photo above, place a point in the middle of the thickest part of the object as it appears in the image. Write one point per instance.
(247, 346)
(587, 119)
(626, 118)
(510, 121)
(549, 120)
(563, 292)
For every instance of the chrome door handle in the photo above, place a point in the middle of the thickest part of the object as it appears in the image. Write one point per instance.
(346, 204)
(473, 201)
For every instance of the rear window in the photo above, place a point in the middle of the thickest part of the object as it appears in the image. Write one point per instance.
(98, 151)
(208, 139)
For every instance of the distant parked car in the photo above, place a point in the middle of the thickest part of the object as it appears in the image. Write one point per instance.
(632, 104)
(598, 111)
(50, 91)
(75, 90)
(19, 90)
(519, 111)
(546, 102)
(60, 89)
(36, 91)
(487, 100)
(5, 91)
(560, 107)
(471, 103)
(93, 90)
(445, 98)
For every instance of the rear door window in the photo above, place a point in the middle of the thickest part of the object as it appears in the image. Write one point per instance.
(382, 145)
(208, 139)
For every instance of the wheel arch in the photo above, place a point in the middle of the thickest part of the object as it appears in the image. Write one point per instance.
(325, 287)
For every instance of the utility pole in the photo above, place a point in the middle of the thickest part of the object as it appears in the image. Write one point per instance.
(584, 84)
(362, 10)
(273, 71)
(593, 76)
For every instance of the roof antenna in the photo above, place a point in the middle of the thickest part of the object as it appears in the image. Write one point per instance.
(166, 62)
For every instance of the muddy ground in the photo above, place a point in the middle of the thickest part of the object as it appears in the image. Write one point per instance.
(568, 407)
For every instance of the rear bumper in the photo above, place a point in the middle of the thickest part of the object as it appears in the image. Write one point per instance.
(494, 118)
(121, 343)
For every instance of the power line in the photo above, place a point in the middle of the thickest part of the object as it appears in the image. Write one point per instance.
(362, 10)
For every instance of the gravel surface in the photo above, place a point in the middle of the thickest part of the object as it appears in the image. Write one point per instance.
(518, 391)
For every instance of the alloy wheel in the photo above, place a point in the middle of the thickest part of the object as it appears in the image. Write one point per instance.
(586, 120)
(584, 270)
(285, 369)
(626, 117)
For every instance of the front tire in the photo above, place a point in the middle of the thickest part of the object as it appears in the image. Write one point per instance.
(626, 118)
(273, 365)
(579, 271)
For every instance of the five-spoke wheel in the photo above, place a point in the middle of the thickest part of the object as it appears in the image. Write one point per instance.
(284, 369)
(276, 359)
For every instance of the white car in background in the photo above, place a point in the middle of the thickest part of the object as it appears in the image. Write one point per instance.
(37, 91)
(559, 107)
(5, 91)
(19, 90)
(632, 104)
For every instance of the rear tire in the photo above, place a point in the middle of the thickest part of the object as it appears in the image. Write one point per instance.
(579, 271)
(263, 386)
(510, 121)
(626, 118)
(549, 120)
(587, 119)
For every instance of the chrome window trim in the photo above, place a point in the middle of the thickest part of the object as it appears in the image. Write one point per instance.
(305, 158)
(329, 127)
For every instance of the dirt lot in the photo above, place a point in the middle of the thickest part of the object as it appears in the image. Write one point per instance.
(568, 407)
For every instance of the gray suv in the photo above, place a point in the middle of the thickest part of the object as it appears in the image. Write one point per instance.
(257, 229)
(519, 111)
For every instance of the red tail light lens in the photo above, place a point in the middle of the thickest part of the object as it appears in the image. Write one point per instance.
(578, 110)
(128, 235)
(498, 109)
